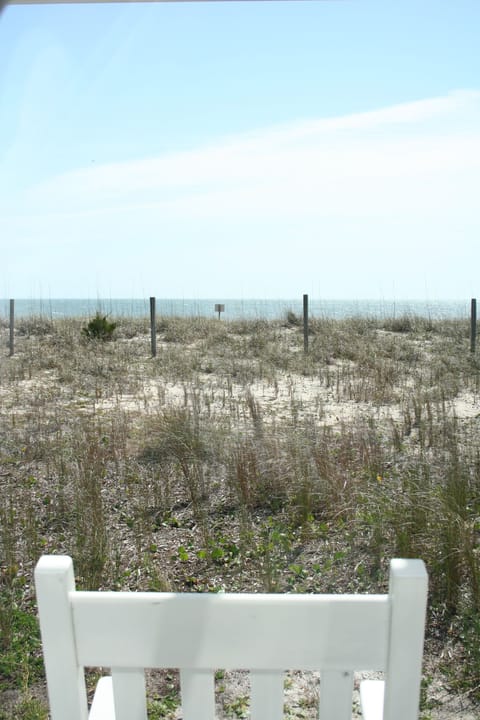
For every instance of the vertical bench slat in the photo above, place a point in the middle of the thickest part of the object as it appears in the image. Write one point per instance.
(266, 695)
(129, 695)
(198, 694)
(408, 597)
(336, 690)
(54, 580)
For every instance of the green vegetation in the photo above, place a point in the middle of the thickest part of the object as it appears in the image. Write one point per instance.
(99, 328)
(233, 461)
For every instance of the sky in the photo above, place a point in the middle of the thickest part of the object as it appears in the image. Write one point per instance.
(241, 149)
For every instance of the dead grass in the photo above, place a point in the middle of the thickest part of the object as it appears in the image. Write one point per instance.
(233, 461)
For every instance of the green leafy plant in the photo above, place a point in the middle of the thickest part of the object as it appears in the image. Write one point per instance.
(292, 319)
(238, 707)
(29, 708)
(19, 643)
(164, 706)
(99, 328)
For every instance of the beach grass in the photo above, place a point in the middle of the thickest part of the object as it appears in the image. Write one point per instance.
(234, 461)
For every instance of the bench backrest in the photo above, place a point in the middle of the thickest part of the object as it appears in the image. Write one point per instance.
(199, 633)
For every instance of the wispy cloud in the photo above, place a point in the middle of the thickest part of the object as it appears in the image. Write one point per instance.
(370, 199)
(412, 156)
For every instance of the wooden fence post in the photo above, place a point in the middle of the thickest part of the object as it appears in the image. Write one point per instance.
(473, 325)
(12, 324)
(153, 326)
(305, 323)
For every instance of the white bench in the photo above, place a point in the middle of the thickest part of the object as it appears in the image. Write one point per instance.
(198, 633)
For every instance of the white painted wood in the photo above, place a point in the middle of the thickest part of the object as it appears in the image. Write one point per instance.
(102, 705)
(336, 689)
(266, 634)
(371, 699)
(54, 580)
(129, 698)
(343, 632)
(198, 694)
(266, 695)
(408, 592)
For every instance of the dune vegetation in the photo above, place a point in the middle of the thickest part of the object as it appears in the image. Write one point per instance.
(235, 461)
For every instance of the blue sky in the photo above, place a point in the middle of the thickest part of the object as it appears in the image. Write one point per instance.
(241, 149)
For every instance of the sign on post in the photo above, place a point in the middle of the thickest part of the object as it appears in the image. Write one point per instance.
(219, 309)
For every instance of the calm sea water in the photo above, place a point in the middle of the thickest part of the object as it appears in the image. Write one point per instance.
(237, 309)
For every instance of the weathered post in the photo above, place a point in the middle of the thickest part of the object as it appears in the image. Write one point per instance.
(153, 327)
(473, 325)
(12, 323)
(305, 323)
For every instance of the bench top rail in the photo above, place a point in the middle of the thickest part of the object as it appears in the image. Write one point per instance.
(252, 632)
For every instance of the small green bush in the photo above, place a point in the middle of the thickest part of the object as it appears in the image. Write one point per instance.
(292, 319)
(99, 328)
(402, 324)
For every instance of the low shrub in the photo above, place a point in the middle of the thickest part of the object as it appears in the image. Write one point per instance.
(99, 328)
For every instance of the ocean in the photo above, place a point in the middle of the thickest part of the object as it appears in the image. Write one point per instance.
(237, 308)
